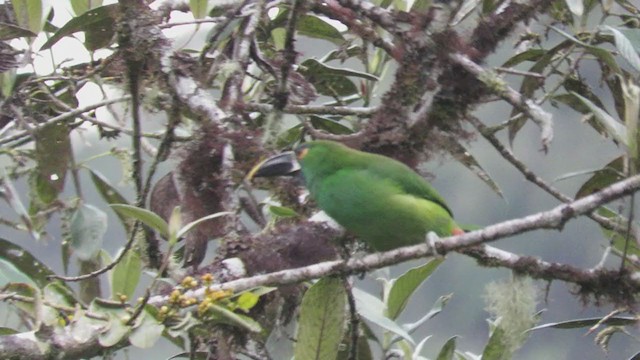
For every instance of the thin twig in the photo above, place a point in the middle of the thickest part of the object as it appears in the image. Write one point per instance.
(289, 52)
(627, 237)
(358, 27)
(61, 308)
(241, 55)
(354, 321)
(194, 22)
(313, 109)
(520, 72)
(319, 134)
(383, 17)
(63, 117)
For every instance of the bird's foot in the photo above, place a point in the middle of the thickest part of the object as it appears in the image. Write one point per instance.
(433, 241)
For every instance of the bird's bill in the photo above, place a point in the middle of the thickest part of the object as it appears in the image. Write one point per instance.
(277, 165)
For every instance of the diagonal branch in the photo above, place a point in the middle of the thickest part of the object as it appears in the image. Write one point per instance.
(63, 117)
(610, 224)
(495, 84)
(551, 219)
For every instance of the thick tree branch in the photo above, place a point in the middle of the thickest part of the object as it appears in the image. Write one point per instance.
(190, 93)
(48, 343)
(551, 219)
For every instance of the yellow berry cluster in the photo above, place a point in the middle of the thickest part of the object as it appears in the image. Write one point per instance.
(210, 297)
(179, 300)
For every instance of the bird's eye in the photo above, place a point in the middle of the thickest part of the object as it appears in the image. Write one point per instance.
(301, 152)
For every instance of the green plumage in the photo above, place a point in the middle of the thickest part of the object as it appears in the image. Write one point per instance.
(380, 200)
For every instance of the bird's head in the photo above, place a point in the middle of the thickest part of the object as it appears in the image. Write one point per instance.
(317, 156)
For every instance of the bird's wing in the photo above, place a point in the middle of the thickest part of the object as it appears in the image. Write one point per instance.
(406, 179)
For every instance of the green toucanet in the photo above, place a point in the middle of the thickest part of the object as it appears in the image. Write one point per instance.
(380, 200)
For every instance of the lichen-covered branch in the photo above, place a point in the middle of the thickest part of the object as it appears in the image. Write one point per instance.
(551, 219)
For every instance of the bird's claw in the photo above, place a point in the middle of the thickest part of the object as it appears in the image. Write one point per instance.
(432, 242)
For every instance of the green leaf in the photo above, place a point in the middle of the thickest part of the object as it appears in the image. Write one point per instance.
(602, 54)
(342, 54)
(110, 195)
(11, 196)
(404, 286)
(115, 332)
(608, 175)
(448, 349)
(185, 229)
(227, 316)
(574, 85)
(282, 211)
(125, 276)
(147, 333)
(406, 348)
(317, 28)
(465, 9)
(279, 36)
(89, 289)
(371, 308)
(363, 349)
(52, 154)
(528, 55)
(247, 300)
(436, 309)
(489, 6)
(116, 329)
(530, 84)
(310, 26)
(58, 295)
(199, 8)
(31, 309)
(469, 161)
(589, 322)
(88, 226)
(82, 6)
(10, 274)
(25, 263)
(149, 218)
(329, 125)
(290, 136)
(495, 348)
(7, 331)
(331, 81)
(313, 65)
(576, 7)
(624, 45)
(614, 128)
(98, 25)
(322, 320)
(421, 6)
(175, 223)
(11, 31)
(29, 14)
